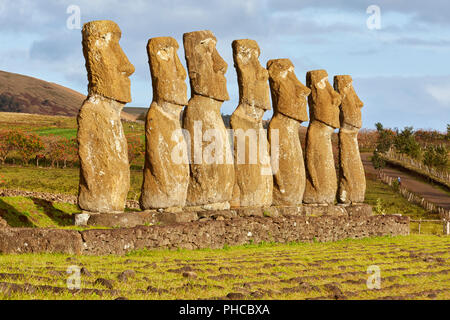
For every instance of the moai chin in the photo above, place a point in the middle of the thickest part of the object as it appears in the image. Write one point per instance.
(352, 180)
(103, 152)
(321, 180)
(254, 182)
(211, 170)
(289, 104)
(166, 170)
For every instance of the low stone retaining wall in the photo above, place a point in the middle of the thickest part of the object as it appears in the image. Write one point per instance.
(201, 234)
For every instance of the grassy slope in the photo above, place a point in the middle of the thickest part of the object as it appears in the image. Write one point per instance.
(57, 125)
(409, 267)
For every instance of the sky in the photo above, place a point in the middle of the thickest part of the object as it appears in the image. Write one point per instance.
(399, 59)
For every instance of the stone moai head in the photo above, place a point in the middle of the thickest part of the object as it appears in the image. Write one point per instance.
(252, 77)
(205, 66)
(288, 93)
(107, 65)
(168, 74)
(324, 101)
(350, 105)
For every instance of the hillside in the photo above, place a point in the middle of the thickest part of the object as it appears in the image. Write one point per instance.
(23, 94)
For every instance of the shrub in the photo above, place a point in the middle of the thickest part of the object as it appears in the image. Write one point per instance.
(135, 148)
(435, 156)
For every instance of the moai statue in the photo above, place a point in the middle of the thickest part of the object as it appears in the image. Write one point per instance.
(289, 105)
(166, 171)
(254, 182)
(211, 171)
(352, 181)
(321, 181)
(103, 152)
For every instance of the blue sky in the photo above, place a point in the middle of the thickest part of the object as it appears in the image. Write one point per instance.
(401, 71)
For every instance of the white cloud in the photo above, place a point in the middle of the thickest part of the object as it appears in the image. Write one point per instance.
(440, 92)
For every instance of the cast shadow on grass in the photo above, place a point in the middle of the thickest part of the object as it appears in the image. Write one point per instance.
(60, 218)
(14, 218)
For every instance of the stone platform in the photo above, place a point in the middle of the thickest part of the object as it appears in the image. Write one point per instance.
(205, 229)
(146, 218)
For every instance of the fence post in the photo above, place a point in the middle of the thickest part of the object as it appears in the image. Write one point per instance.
(446, 227)
(420, 222)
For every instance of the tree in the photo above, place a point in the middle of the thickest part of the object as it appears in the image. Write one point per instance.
(26, 144)
(377, 161)
(406, 143)
(385, 138)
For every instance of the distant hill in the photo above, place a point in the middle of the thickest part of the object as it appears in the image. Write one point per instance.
(23, 94)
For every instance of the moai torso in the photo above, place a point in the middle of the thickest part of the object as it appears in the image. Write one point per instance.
(321, 181)
(103, 152)
(254, 182)
(289, 104)
(352, 180)
(166, 170)
(211, 171)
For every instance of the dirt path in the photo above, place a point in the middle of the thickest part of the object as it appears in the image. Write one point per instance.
(427, 191)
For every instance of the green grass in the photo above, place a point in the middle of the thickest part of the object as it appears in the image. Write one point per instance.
(412, 267)
(385, 199)
(392, 202)
(54, 180)
(62, 132)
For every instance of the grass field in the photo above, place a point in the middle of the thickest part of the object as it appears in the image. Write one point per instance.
(54, 180)
(411, 267)
(57, 125)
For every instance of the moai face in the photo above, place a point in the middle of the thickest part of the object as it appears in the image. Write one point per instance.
(288, 93)
(351, 104)
(324, 101)
(252, 77)
(107, 65)
(168, 74)
(205, 66)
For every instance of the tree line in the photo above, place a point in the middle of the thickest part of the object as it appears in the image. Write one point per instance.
(53, 150)
(429, 147)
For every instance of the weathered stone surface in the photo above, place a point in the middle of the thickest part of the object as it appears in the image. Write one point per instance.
(352, 180)
(3, 223)
(323, 101)
(359, 210)
(350, 107)
(215, 234)
(321, 180)
(289, 104)
(103, 152)
(205, 66)
(107, 65)
(21, 240)
(122, 220)
(211, 170)
(152, 217)
(166, 174)
(104, 167)
(322, 210)
(254, 181)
